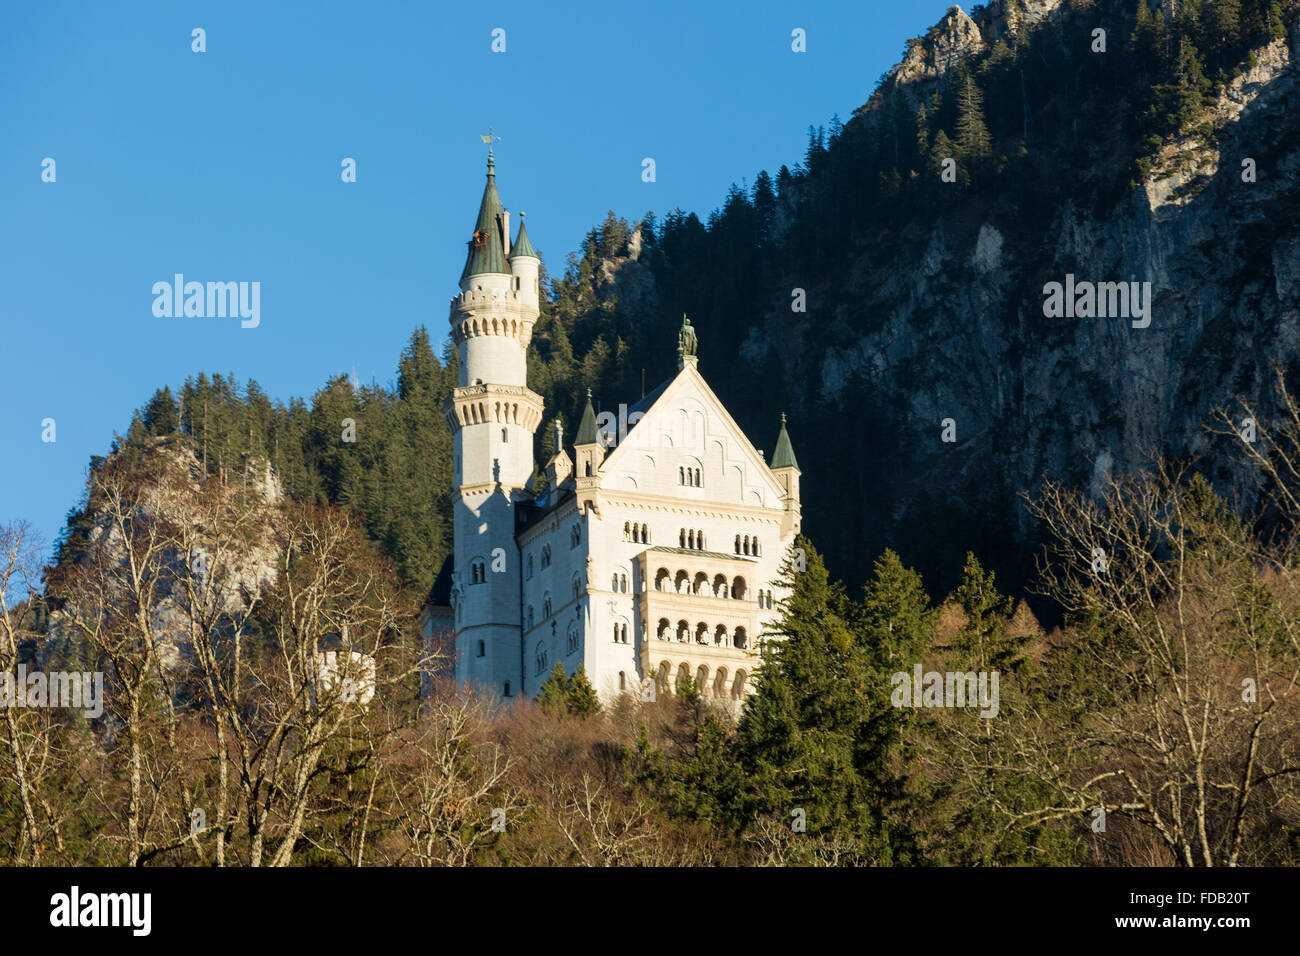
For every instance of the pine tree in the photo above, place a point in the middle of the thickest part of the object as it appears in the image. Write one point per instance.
(580, 697)
(160, 416)
(982, 641)
(808, 738)
(972, 133)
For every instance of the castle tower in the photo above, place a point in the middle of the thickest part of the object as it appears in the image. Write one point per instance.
(492, 416)
(786, 469)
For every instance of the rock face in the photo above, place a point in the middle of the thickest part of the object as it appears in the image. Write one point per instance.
(954, 38)
(245, 572)
(949, 321)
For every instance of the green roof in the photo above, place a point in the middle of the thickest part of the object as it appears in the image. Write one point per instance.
(486, 252)
(522, 246)
(783, 457)
(587, 427)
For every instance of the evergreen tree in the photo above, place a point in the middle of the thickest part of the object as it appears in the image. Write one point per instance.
(160, 415)
(972, 133)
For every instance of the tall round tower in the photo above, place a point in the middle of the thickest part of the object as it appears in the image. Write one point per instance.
(492, 416)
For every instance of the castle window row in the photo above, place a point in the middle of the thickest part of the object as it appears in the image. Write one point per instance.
(472, 327)
(620, 633)
(719, 684)
(636, 533)
(476, 413)
(765, 600)
(702, 633)
(689, 477)
(747, 545)
(700, 585)
(478, 572)
(618, 583)
(691, 540)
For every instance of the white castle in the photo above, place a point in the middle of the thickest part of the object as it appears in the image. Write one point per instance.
(651, 552)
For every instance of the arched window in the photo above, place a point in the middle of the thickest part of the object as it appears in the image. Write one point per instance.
(622, 583)
(701, 633)
(539, 658)
(479, 570)
(690, 540)
(662, 578)
(701, 584)
(575, 536)
(720, 683)
(681, 476)
(738, 589)
(741, 640)
(645, 534)
(719, 586)
(755, 547)
(662, 678)
(744, 546)
(737, 544)
(720, 636)
(622, 680)
(682, 583)
(615, 633)
(681, 538)
(482, 650)
(683, 629)
(546, 555)
(627, 532)
(738, 688)
(698, 481)
(546, 606)
(664, 627)
(571, 639)
(530, 566)
(699, 540)
(683, 676)
(505, 437)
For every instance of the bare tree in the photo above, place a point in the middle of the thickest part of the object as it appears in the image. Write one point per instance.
(27, 749)
(1182, 668)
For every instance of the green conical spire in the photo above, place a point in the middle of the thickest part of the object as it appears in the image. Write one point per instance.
(587, 427)
(783, 457)
(486, 247)
(522, 246)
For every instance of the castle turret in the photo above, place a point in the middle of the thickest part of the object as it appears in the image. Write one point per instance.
(785, 467)
(588, 453)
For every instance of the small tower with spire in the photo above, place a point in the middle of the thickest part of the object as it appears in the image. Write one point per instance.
(588, 453)
(786, 469)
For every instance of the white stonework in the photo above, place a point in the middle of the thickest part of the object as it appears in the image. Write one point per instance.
(653, 556)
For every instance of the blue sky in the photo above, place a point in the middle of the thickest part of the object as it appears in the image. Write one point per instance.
(225, 165)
